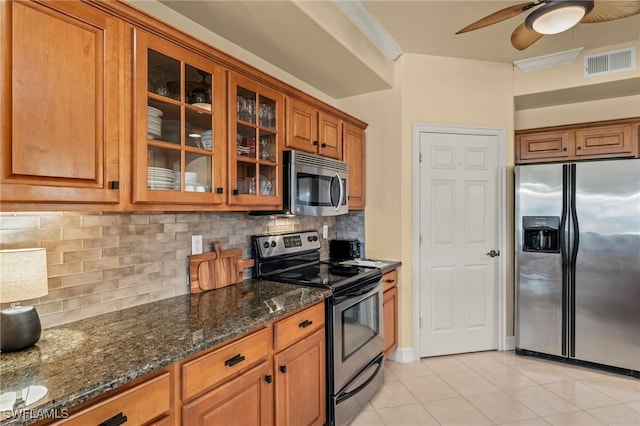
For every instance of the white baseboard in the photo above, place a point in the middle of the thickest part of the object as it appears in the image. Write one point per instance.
(511, 343)
(404, 355)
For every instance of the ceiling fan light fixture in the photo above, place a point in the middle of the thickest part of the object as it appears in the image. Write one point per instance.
(558, 16)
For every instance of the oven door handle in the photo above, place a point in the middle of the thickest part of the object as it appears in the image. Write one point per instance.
(346, 393)
(364, 288)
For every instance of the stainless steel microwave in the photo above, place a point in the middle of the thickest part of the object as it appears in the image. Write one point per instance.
(313, 186)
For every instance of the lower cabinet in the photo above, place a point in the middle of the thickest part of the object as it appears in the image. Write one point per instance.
(390, 311)
(300, 382)
(148, 403)
(246, 400)
(273, 375)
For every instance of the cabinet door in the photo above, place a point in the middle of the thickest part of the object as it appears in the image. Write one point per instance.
(61, 100)
(246, 400)
(390, 312)
(300, 382)
(354, 155)
(179, 154)
(302, 126)
(602, 141)
(552, 145)
(330, 136)
(256, 114)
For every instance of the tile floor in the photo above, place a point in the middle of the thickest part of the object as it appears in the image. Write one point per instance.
(501, 388)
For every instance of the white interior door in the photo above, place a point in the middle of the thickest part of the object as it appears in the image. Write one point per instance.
(459, 214)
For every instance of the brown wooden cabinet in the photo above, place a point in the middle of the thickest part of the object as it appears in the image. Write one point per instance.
(147, 403)
(276, 371)
(314, 131)
(390, 311)
(256, 130)
(179, 147)
(245, 400)
(61, 98)
(607, 139)
(354, 155)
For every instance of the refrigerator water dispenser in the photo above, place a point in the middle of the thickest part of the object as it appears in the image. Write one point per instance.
(541, 234)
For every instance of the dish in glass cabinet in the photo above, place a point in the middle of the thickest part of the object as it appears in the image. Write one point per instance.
(265, 185)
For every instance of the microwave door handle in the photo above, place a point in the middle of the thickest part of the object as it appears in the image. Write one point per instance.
(341, 192)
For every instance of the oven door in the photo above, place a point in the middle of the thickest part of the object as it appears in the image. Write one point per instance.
(357, 331)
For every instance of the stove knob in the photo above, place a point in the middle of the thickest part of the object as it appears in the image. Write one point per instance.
(273, 243)
(266, 244)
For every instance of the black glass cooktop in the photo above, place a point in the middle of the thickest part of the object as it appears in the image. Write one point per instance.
(323, 274)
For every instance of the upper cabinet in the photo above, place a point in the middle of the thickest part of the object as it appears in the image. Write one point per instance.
(179, 147)
(61, 97)
(314, 131)
(354, 155)
(256, 124)
(607, 139)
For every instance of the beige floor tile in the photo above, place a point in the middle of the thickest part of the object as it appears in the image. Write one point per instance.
(578, 372)
(634, 405)
(506, 377)
(389, 376)
(468, 382)
(429, 388)
(476, 360)
(500, 407)
(392, 394)
(536, 421)
(406, 370)
(580, 394)
(620, 388)
(456, 412)
(541, 372)
(407, 415)
(510, 357)
(542, 401)
(444, 364)
(367, 418)
(616, 415)
(578, 418)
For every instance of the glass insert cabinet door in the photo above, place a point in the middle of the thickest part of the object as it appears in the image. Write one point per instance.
(179, 151)
(255, 143)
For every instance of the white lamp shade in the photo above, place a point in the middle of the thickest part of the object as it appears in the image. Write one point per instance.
(558, 20)
(23, 274)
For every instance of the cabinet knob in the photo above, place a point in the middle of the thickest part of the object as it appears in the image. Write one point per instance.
(283, 369)
(268, 378)
(236, 192)
(564, 149)
(579, 147)
(315, 143)
(115, 184)
(324, 145)
(219, 190)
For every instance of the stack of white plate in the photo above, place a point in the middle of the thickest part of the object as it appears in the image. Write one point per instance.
(160, 178)
(154, 123)
(206, 140)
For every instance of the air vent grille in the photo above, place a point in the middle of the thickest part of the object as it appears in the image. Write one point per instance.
(610, 62)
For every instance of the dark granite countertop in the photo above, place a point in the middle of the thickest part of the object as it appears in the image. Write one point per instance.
(78, 361)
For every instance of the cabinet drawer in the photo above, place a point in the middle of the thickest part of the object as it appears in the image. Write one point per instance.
(389, 280)
(217, 366)
(140, 405)
(297, 326)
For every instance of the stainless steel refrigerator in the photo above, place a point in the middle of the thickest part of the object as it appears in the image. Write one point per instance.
(578, 261)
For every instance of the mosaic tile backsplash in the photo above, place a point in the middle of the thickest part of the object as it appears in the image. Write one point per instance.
(104, 262)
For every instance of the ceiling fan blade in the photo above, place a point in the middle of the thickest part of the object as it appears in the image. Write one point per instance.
(499, 16)
(522, 37)
(611, 10)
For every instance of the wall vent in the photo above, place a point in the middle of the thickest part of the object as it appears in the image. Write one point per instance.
(610, 62)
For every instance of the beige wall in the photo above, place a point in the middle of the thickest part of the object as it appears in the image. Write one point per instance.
(429, 90)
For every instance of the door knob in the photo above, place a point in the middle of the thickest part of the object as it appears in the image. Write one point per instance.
(494, 253)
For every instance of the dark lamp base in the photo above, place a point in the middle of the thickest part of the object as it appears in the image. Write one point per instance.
(19, 328)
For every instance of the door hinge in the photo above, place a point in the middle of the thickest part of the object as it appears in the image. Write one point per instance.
(420, 157)
(420, 321)
(420, 241)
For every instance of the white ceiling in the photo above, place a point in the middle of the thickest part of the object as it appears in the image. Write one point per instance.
(286, 34)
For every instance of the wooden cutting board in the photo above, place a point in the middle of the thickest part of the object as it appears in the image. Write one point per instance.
(216, 269)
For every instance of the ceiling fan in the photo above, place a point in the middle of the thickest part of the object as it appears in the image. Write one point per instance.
(555, 16)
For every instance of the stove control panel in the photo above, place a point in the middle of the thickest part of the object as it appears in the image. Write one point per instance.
(289, 243)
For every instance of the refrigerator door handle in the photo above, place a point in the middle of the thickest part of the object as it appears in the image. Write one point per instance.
(564, 251)
(575, 234)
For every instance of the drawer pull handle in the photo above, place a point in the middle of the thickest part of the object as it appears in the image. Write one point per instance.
(234, 360)
(305, 324)
(390, 281)
(116, 420)
(283, 369)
